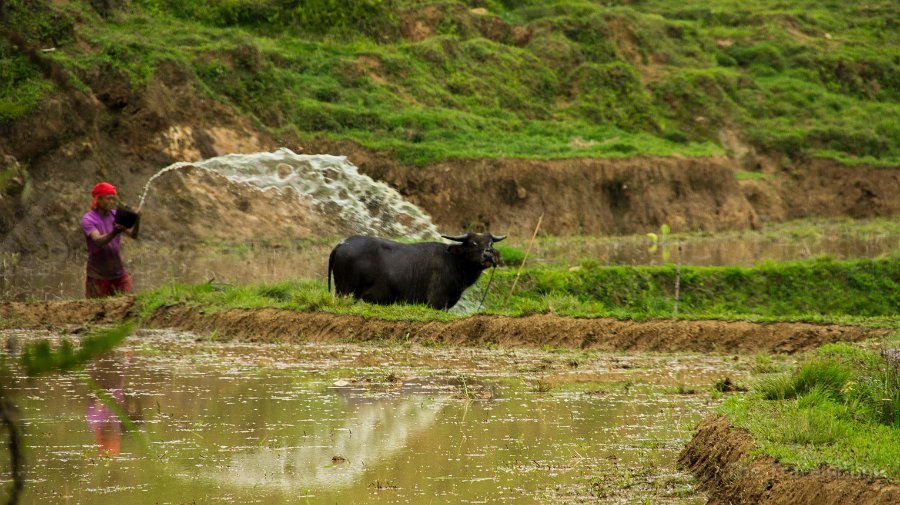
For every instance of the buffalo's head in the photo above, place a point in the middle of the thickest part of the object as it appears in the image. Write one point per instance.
(477, 248)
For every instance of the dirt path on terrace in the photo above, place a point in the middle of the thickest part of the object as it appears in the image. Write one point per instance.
(718, 456)
(603, 334)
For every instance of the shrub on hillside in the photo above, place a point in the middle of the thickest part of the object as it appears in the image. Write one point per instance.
(612, 94)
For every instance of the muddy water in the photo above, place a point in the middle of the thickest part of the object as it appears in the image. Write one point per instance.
(204, 422)
(153, 266)
(792, 241)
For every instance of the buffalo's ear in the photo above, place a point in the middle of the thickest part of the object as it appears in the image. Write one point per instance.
(458, 238)
(495, 238)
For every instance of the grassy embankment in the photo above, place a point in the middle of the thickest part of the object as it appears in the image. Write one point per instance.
(856, 291)
(840, 406)
(533, 79)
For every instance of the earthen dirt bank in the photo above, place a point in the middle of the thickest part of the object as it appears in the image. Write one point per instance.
(544, 330)
(719, 456)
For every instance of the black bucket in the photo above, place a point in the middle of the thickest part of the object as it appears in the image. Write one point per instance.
(125, 216)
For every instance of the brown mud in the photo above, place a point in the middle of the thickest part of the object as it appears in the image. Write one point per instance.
(719, 456)
(540, 331)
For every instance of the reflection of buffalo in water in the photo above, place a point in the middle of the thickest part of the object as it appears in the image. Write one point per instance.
(340, 447)
(384, 272)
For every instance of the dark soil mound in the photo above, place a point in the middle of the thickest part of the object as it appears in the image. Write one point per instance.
(719, 456)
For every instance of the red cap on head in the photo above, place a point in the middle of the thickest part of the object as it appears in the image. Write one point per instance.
(102, 189)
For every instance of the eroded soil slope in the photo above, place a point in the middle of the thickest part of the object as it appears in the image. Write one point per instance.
(633, 195)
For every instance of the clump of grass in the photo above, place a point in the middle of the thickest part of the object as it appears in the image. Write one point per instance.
(683, 389)
(763, 364)
(864, 382)
(841, 407)
(22, 87)
(542, 385)
(726, 385)
(510, 255)
(824, 376)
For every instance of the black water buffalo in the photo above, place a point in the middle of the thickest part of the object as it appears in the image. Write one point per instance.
(383, 271)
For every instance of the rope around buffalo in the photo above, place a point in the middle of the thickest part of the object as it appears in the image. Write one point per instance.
(486, 289)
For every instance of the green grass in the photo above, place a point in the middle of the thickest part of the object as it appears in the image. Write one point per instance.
(21, 86)
(591, 79)
(861, 291)
(40, 358)
(810, 290)
(841, 406)
(301, 295)
(744, 175)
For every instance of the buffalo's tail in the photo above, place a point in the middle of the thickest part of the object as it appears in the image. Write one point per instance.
(330, 265)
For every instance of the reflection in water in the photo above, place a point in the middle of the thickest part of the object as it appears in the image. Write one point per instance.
(105, 423)
(109, 410)
(837, 240)
(279, 424)
(334, 457)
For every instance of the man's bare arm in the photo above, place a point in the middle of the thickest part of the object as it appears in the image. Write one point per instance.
(103, 239)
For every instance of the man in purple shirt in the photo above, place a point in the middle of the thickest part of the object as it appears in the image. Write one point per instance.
(106, 273)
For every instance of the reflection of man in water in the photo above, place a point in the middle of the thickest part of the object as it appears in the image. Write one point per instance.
(102, 414)
(105, 423)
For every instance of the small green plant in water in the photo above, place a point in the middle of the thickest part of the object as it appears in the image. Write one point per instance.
(657, 241)
(466, 392)
(726, 385)
(542, 385)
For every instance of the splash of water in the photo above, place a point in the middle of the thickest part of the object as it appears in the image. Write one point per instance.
(331, 183)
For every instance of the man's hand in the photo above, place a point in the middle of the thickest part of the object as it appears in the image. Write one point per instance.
(133, 232)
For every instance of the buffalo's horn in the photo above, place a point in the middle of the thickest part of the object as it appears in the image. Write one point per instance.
(458, 238)
(495, 238)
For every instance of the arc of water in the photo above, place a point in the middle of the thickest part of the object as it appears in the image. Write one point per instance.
(331, 183)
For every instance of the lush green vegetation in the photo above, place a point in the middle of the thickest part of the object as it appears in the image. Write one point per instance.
(810, 290)
(820, 290)
(841, 406)
(433, 80)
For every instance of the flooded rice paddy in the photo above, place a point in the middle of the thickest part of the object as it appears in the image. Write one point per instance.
(175, 418)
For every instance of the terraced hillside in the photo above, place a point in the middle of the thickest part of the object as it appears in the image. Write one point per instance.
(616, 116)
